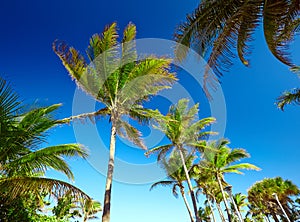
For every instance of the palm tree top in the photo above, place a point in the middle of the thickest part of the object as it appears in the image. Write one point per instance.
(220, 158)
(112, 74)
(183, 127)
(115, 76)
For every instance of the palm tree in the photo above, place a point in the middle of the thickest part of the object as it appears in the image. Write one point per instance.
(176, 177)
(23, 160)
(219, 159)
(184, 131)
(261, 196)
(220, 27)
(121, 83)
(240, 201)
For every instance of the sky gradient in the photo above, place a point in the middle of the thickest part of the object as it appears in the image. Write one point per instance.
(252, 120)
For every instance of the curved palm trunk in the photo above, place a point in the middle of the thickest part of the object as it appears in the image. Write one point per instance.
(236, 209)
(188, 179)
(109, 178)
(219, 209)
(281, 207)
(186, 204)
(220, 212)
(212, 209)
(224, 197)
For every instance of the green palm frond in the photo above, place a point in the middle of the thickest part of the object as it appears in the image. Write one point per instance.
(250, 16)
(278, 18)
(144, 115)
(203, 25)
(101, 43)
(241, 166)
(159, 149)
(217, 28)
(163, 183)
(9, 103)
(18, 186)
(237, 154)
(289, 97)
(41, 160)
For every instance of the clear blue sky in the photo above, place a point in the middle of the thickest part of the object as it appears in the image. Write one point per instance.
(28, 29)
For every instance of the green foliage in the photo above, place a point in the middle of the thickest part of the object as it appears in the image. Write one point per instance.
(261, 197)
(116, 77)
(183, 129)
(217, 28)
(24, 161)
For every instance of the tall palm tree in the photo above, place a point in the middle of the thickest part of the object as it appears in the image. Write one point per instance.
(260, 195)
(219, 159)
(184, 131)
(121, 83)
(217, 28)
(23, 160)
(176, 177)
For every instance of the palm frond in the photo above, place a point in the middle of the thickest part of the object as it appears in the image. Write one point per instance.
(289, 97)
(41, 160)
(237, 154)
(129, 132)
(240, 166)
(249, 17)
(91, 116)
(163, 183)
(18, 186)
(159, 149)
(9, 103)
(276, 14)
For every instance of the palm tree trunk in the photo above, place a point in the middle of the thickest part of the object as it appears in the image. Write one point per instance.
(212, 209)
(189, 185)
(186, 204)
(109, 178)
(285, 214)
(220, 211)
(224, 197)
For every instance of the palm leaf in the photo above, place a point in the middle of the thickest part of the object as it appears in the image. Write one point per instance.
(163, 183)
(289, 97)
(41, 160)
(241, 166)
(18, 186)
(131, 133)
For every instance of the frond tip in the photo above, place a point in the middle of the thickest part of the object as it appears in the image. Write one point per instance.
(288, 97)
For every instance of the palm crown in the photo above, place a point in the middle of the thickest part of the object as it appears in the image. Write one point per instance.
(23, 162)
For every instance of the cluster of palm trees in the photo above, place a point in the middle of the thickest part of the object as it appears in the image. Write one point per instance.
(114, 75)
(117, 78)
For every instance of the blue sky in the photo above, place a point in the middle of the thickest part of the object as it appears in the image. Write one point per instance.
(253, 122)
